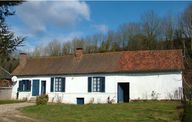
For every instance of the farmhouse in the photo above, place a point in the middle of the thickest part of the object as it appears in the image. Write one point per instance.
(101, 77)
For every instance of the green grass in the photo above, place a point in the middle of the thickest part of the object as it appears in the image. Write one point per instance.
(10, 101)
(137, 111)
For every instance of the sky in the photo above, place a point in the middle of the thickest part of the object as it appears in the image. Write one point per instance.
(43, 21)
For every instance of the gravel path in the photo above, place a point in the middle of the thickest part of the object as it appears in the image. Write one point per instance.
(10, 113)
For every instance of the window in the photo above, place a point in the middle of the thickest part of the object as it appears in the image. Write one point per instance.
(24, 85)
(96, 84)
(58, 84)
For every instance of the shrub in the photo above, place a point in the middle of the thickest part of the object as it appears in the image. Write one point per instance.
(187, 112)
(42, 100)
(154, 95)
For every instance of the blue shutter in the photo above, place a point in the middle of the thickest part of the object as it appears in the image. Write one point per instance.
(89, 84)
(103, 84)
(52, 83)
(20, 85)
(63, 85)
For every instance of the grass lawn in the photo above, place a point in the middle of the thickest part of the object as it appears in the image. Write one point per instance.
(135, 111)
(10, 101)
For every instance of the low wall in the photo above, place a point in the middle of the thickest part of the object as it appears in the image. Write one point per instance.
(5, 93)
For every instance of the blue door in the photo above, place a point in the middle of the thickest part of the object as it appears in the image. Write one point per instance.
(35, 89)
(120, 94)
(123, 92)
(43, 87)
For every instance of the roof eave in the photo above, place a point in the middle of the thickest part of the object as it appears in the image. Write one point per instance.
(113, 72)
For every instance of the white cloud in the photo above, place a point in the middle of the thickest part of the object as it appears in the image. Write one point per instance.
(37, 15)
(102, 28)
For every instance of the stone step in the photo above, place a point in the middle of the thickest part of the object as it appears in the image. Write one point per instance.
(33, 99)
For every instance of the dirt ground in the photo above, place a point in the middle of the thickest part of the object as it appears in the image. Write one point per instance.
(10, 113)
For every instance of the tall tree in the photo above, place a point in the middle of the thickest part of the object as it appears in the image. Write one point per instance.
(8, 40)
(67, 48)
(131, 32)
(54, 48)
(168, 28)
(186, 23)
(107, 43)
(151, 27)
(37, 52)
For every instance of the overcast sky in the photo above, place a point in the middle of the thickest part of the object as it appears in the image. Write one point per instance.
(44, 21)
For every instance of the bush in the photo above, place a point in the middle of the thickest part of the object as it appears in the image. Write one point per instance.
(187, 112)
(42, 100)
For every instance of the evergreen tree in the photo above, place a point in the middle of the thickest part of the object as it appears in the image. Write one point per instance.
(8, 40)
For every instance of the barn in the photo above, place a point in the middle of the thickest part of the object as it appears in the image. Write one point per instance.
(115, 77)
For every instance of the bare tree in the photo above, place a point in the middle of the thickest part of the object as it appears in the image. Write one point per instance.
(128, 31)
(168, 29)
(186, 23)
(37, 52)
(67, 48)
(78, 43)
(151, 27)
(54, 48)
(94, 42)
(106, 45)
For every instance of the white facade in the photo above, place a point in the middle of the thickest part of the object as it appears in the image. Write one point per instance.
(163, 85)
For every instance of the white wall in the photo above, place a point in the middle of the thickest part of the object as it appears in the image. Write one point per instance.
(27, 95)
(141, 86)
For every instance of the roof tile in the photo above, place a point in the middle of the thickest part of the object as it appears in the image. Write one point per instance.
(125, 61)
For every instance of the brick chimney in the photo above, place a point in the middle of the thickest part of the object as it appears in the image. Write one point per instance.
(23, 59)
(78, 53)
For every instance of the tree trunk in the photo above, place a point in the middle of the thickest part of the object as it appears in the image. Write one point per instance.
(191, 44)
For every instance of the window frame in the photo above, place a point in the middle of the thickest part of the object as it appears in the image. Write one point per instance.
(58, 85)
(26, 86)
(96, 84)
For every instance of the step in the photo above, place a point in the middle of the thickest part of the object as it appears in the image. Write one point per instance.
(33, 99)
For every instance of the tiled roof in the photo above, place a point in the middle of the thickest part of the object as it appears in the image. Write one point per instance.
(110, 62)
(151, 60)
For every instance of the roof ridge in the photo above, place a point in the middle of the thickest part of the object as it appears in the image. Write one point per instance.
(38, 57)
(73, 55)
(110, 52)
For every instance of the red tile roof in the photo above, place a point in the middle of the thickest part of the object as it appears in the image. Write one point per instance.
(110, 62)
(151, 60)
